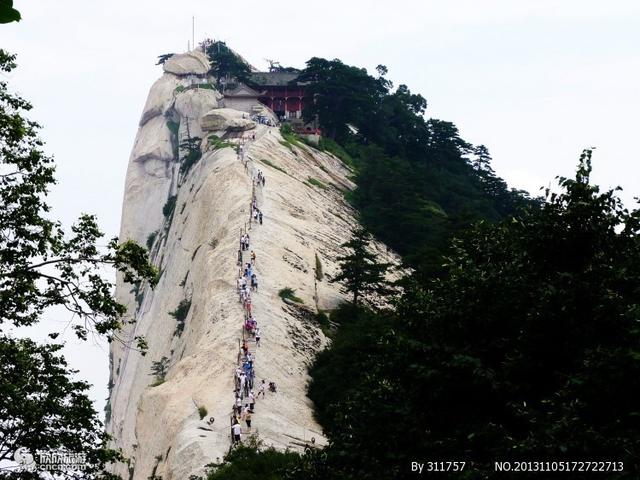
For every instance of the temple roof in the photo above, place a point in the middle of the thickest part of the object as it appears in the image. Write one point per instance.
(273, 78)
(243, 90)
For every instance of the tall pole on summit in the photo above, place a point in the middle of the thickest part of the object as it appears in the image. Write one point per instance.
(193, 32)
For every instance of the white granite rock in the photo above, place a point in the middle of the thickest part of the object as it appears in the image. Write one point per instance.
(158, 427)
(194, 62)
(229, 119)
(153, 142)
(160, 97)
(192, 104)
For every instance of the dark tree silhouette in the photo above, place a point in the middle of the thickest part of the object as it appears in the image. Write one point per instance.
(360, 272)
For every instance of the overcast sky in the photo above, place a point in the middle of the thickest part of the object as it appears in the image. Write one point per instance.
(536, 81)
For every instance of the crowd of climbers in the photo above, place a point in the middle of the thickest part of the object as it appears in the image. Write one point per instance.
(247, 284)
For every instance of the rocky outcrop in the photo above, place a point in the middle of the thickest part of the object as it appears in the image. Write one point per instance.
(193, 62)
(191, 105)
(227, 119)
(159, 98)
(191, 219)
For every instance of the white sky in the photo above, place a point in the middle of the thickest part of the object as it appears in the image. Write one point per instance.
(534, 80)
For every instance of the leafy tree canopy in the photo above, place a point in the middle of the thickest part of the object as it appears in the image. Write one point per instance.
(225, 63)
(42, 408)
(360, 272)
(251, 461)
(343, 95)
(8, 14)
(419, 182)
(526, 347)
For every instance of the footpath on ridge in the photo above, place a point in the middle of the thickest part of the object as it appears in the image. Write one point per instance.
(247, 388)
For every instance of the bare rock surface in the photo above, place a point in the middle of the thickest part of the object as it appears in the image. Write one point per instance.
(194, 62)
(194, 244)
(160, 97)
(222, 119)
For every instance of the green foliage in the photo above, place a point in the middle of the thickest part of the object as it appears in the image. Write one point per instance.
(416, 206)
(190, 149)
(8, 14)
(334, 148)
(225, 63)
(525, 347)
(288, 145)
(43, 408)
(179, 329)
(272, 165)
(183, 88)
(107, 411)
(289, 136)
(41, 265)
(217, 143)
(249, 462)
(286, 129)
(164, 57)
(343, 95)
(202, 411)
(319, 274)
(419, 183)
(159, 370)
(180, 314)
(323, 322)
(151, 238)
(182, 310)
(316, 183)
(169, 207)
(309, 143)
(362, 275)
(289, 294)
(174, 127)
(330, 385)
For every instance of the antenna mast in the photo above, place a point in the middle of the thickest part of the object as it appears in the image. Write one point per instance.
(193, 32)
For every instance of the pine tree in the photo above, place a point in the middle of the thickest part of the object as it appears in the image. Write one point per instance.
(360, 271)
(159, 369)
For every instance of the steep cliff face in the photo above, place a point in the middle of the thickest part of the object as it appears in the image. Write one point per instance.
(194, 244)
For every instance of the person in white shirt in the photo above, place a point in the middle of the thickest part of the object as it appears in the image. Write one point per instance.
(238, 374)
(243, 379)
(237, 430)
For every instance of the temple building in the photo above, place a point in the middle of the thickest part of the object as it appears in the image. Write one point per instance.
(276, 90)
(242, 97)
(281, 93)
